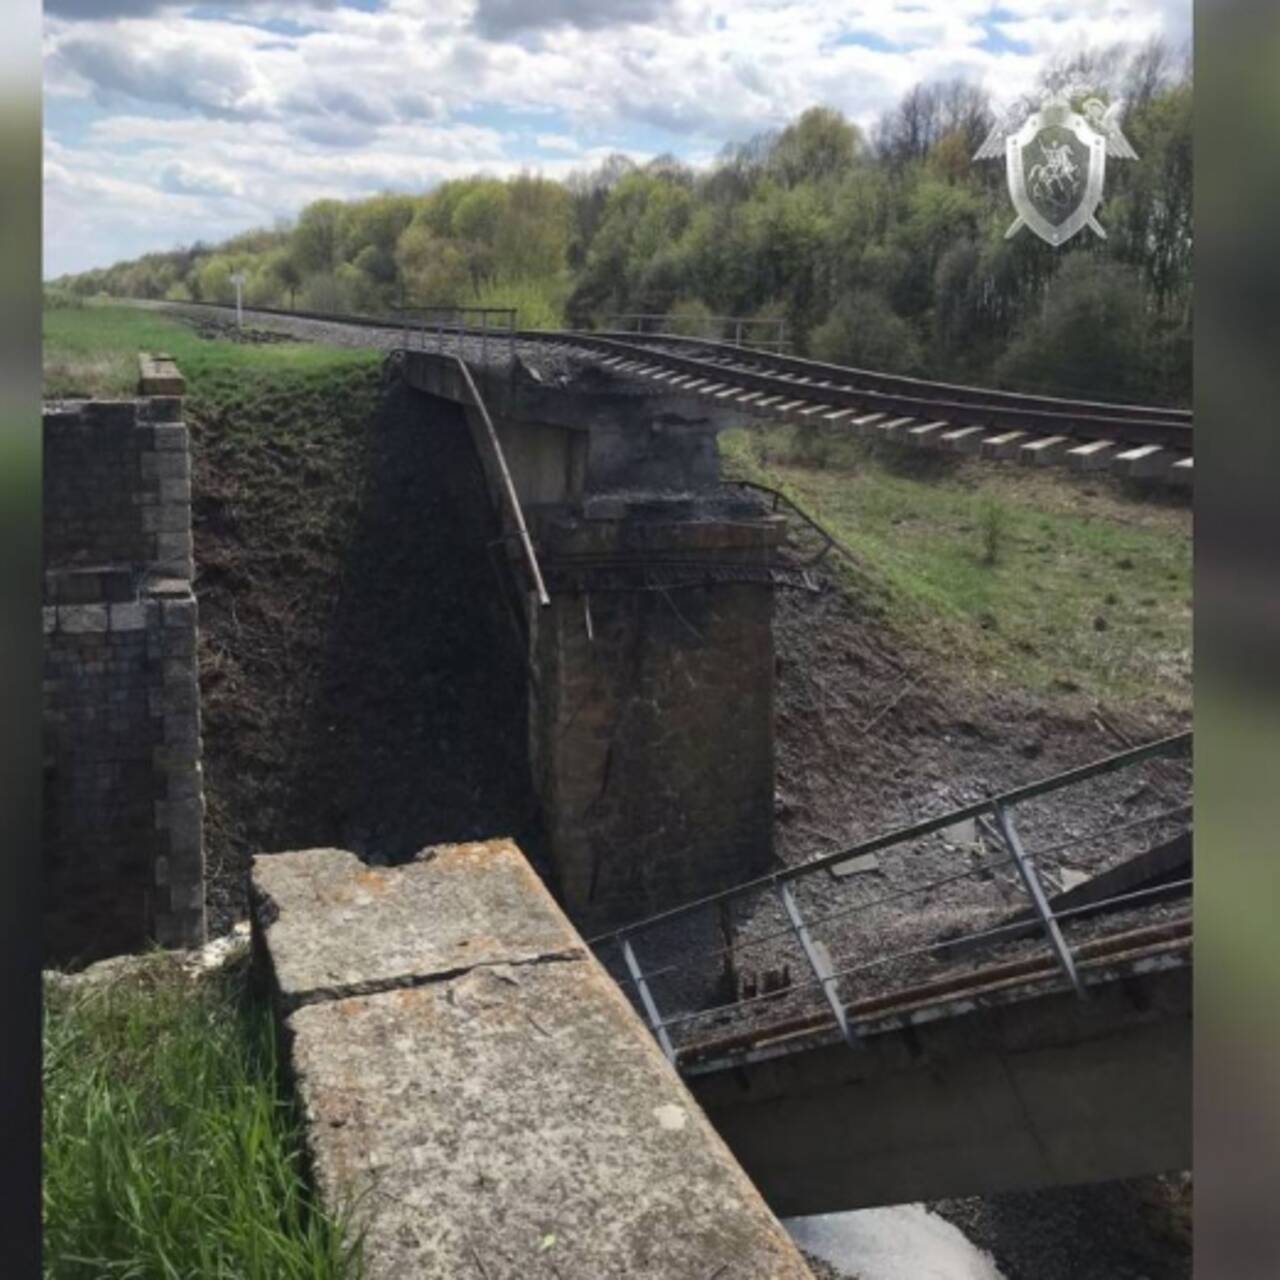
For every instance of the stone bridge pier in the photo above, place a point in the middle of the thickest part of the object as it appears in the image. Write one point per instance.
(652, 665)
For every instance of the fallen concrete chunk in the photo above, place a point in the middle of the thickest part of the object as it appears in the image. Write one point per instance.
(478, 1091)
(858, 866)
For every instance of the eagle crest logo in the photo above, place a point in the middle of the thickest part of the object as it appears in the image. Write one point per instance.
(1056, 162)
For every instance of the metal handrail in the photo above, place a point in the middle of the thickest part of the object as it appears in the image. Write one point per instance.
(1160, 747)
(508, 486)
(826, 975)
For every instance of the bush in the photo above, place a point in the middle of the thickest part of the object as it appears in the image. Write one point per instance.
(56, 298)
(865, 331)
(320, 292)
(691, 317)
(1090, 337)
(539, 302)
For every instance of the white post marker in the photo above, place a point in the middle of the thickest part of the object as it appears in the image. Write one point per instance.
(238, 278)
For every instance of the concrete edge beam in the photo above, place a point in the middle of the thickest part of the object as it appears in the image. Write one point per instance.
(478, 1091)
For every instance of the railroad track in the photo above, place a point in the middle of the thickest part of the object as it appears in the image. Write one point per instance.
(1134, 441)
(1115, 954)
(1138, 442)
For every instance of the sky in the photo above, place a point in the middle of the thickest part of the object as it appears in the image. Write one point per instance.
(169, 122)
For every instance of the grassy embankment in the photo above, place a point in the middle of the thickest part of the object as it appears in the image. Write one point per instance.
(1045, 581)
(168, 1149)
(269, 421)
(92, 350)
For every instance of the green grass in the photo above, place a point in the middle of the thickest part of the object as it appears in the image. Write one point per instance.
(93, 351)
(168, 1150)
(1013, 579)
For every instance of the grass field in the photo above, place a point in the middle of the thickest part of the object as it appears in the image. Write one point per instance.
(168, 1150)
(93, 351)
(1042, 580)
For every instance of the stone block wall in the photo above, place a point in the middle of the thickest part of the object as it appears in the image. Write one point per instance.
(117, 487)
(652, 728)
(123, 805)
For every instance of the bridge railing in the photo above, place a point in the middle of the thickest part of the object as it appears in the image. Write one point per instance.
(701, 1000)
(765, 333)
(441, 328)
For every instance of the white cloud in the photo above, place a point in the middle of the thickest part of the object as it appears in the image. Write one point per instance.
(186, 179)
(342, 101)
(558, 142)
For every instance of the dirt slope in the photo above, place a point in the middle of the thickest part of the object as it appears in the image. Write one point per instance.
(361, 681)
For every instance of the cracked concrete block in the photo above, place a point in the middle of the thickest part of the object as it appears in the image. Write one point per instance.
(333, 924)
(477, 1090)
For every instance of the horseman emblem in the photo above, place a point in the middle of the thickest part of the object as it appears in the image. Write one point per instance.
(1056, 163)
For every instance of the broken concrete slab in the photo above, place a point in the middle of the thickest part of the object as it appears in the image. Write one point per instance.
(353, 929)
(855, 866)
(478, 1091)
(961, 833)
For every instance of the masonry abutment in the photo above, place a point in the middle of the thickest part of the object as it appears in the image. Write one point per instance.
(651, 669)
(123, 789)
(652, 715)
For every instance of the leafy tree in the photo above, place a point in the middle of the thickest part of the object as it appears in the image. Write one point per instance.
(864, 331)
(318, 236)
(434, 269)
(821, 144)
(1088, 337)
(889, 254)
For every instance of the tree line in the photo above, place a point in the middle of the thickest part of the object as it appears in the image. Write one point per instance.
(884, 249)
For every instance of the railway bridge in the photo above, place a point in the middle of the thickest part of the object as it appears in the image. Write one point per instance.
(849, 1055)
(990, 998)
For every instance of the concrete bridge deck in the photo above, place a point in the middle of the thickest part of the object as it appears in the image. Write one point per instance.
(1017, 1090)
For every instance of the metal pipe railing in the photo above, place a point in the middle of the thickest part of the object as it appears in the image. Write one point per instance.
(826, 975)
(508, 486)
(901, 835)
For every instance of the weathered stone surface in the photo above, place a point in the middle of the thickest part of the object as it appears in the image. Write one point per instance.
(117, 668)
(158, 376)
(652, 718)
(504, 1115)
(338, 927)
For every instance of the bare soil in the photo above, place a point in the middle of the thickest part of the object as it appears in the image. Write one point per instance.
(361, 683)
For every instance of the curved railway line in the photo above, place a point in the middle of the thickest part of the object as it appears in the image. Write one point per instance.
(1138, 442)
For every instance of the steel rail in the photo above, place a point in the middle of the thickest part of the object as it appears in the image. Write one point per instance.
(921, 388)
(1009, 929)
(979, 868)
(1099, 953)
(855, 388)
(1082, 422)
